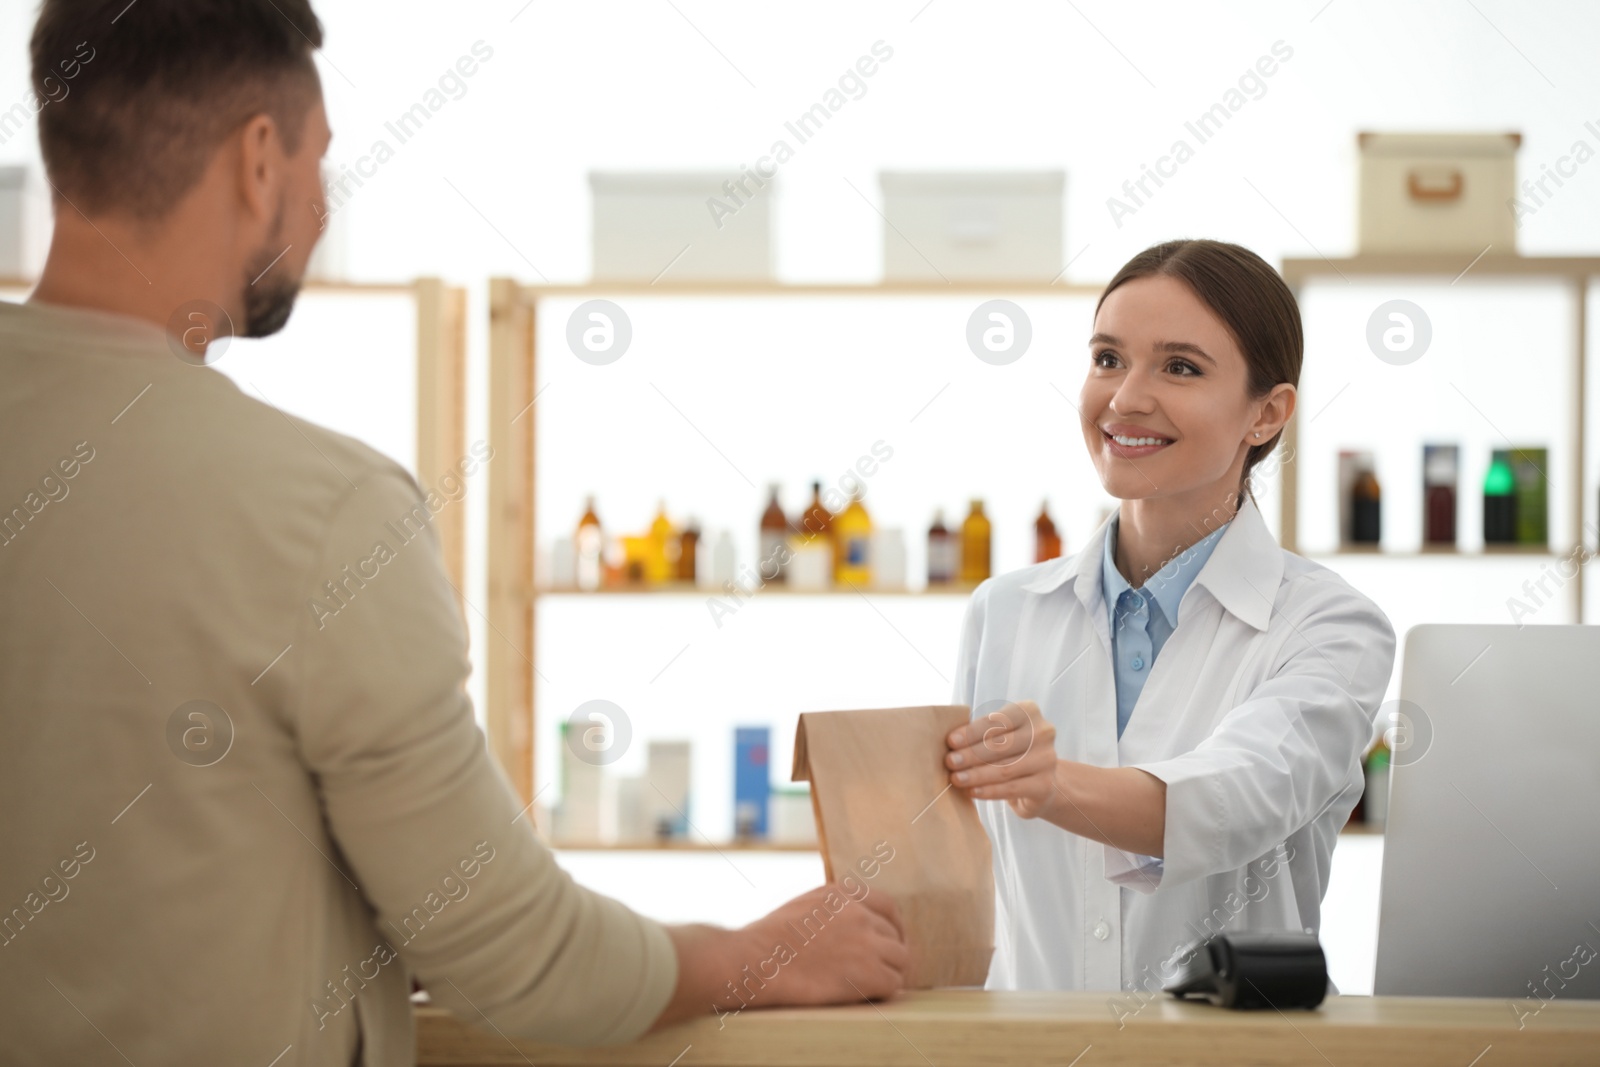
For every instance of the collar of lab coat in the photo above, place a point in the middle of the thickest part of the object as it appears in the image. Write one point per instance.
(1243, 573)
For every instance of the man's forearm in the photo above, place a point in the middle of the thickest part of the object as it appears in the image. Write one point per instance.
(709, 958)
(1119, 806)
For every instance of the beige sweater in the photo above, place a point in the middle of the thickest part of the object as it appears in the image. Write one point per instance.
(243, 799)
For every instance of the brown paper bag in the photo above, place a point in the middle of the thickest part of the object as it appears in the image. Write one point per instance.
(880, 789)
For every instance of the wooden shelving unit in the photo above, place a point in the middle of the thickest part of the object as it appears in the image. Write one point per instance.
(513, 373)
(441, 405)
(513, 353)
(1576, 271)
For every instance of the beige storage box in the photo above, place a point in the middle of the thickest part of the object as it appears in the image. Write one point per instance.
(682, 226)
(980, 226)
(1438, 192)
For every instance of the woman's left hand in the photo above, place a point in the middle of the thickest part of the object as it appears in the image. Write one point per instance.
(1009, 755)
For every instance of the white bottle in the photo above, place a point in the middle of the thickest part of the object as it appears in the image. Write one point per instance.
(590, 545)
(888, 559)
(563, 564)
(722, 560)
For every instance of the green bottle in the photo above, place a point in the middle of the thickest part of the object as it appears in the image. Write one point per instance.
(1499, 502)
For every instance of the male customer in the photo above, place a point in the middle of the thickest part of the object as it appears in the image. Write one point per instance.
(235, 828)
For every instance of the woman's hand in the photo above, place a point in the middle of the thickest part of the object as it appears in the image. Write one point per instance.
(1009, 755)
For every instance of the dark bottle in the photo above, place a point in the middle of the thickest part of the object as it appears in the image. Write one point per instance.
(1439, 494)
(1499, 502)
(1358, 814)
(1046, 542)
(688, 545)
(772, 563)
(1365, 502)
(942, 552)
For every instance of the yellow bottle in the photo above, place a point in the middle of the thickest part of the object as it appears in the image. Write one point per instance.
(661, 565)
(975, 559)
(852, 532)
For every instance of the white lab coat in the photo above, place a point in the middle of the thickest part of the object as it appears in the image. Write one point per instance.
(1255, 714)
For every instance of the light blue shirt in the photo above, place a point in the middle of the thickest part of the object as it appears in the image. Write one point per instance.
(1142, 619)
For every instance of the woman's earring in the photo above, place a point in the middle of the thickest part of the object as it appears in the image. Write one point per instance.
(1258, 433)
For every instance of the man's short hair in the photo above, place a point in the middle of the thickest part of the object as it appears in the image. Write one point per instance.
(168, 81)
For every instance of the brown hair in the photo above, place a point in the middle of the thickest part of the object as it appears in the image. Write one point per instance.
(158, 85)
(1249, 297)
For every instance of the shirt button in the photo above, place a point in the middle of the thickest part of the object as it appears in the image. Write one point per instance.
(1138, 663)
(1102, 930)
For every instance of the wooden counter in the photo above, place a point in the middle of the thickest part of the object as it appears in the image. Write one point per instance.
(952, 1028)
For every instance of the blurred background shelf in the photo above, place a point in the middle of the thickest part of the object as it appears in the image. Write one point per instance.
(1519, 324)
(768, 846)
(790, 381)
(659, 651)
(773, 589)
(1440, 552)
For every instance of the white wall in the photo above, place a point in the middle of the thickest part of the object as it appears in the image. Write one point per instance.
(1096, 88)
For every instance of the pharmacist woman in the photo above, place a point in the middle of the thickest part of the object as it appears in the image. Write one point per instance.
(1168, 725)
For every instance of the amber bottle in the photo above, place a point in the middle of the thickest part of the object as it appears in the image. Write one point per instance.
(975, 554)
(1046, 542)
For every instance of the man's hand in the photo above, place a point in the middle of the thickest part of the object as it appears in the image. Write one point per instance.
(1009, 755)
(826, 946)
(860, 951)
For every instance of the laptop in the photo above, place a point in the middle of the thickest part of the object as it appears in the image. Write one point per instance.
(1491, 859)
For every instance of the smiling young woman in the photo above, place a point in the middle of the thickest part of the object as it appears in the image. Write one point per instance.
(1203, 795)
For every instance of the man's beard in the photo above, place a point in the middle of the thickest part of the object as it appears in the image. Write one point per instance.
(269, 300)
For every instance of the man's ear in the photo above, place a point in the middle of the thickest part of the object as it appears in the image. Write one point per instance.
(260, 168)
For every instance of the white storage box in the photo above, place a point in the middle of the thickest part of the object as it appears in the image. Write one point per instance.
(1003, 226)
(682, 226)
(1438, 192)
(12, 181)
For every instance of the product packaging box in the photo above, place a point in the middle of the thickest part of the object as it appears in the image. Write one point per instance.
(674, 226)
(981, 225)
(667, 788)
(752, 781)
(1438, 192)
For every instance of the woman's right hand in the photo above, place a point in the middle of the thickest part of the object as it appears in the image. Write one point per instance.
(1009, 755)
